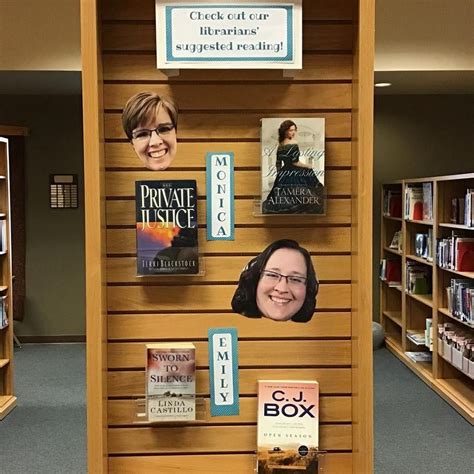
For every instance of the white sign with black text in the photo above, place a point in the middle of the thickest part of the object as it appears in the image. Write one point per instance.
(215, 35)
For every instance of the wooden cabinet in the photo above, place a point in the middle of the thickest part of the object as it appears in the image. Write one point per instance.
(423, 291)
(7, 399)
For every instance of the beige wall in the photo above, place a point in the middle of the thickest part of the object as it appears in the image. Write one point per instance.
(54, 238)
(418, 136)
(424, 35)
(40, 35)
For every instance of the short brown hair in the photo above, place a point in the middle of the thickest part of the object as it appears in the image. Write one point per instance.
(142, 107)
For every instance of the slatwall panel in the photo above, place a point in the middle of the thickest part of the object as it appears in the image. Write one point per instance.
(220, 111)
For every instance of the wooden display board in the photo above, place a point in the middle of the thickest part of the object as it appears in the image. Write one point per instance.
(220, 110)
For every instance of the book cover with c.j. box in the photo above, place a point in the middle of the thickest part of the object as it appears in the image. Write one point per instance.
(288, 425)
(171, 381)
(292, 161)
(167, 229)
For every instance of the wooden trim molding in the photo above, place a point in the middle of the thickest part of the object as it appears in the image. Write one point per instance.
(96, 316)
(362, 156)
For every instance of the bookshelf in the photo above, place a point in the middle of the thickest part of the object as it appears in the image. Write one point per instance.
(424, 291)
(7, 398)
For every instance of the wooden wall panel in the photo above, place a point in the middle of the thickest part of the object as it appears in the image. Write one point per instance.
(202, 298)
(338, 211)
(141, 37)
(209, 439)
(144, 10)
(250, 240)
(332, 410)
(131, 355)
(141, 326)
(225, 97)
(210, 464)
(142, 67)
(218, 269)
(191, 155)
(332, 381)
(237, 126)
(220, 110)
(247, 183)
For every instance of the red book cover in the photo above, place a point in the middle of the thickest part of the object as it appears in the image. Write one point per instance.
(395, 205)
(394, 271)
(465, 254)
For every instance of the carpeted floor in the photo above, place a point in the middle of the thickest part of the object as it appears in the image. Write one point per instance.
(416, 432)
(46, 432)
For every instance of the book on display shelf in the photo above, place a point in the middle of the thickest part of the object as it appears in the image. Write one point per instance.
(392, 203)
(391, 271)
(428, 201)
(414, 203)
(287, 426)
(418, 279)
(3, 312)
(397, 241)
(292, 164)
(420, 356)
(171, 382)
(166, 227)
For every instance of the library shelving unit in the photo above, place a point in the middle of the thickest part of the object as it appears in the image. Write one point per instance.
(7, 398)
(403, 313)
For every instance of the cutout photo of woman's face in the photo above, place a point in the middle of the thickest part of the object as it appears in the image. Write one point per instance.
(155, 142)
(281, 290)
(279, 284)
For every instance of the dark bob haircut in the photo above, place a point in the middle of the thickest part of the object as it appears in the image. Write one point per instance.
(283, 128)
(245, 298)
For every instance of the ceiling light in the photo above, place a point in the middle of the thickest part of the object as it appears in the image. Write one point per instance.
(383, 84)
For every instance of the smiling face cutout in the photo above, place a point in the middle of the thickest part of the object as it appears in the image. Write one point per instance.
(281, 290)
(159, 151)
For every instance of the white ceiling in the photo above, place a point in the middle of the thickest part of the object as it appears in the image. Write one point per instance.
(422, 46)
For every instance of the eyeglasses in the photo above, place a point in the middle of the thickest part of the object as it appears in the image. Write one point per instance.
(276, 277)
(144, 134)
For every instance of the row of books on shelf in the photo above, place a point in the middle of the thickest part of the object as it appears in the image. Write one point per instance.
(419, 202)
(460, 296)
(418, 279)
(423, 338)
(462, 209)
(457, 347)
(455, 253)
(3, 312)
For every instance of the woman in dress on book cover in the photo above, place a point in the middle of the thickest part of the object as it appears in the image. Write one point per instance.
(294, 179)
(150, 122)
(279, 284)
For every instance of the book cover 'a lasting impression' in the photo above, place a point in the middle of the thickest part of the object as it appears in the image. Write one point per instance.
(292, 154)
(288, 425)
(166, 225)
(171, 382)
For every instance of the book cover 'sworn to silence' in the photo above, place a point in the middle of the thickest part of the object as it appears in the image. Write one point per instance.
(171, 382)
